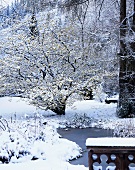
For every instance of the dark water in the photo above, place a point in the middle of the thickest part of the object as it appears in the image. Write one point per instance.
(79, 136)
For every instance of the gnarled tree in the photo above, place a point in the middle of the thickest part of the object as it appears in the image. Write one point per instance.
(48, 68)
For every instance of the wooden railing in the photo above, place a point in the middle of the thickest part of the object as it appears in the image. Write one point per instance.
(118, 153)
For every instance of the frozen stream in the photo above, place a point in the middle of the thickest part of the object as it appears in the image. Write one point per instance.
(79, 136)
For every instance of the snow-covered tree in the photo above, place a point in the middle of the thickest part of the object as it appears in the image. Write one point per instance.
(51, 67)
(33, 26)
(58, 63)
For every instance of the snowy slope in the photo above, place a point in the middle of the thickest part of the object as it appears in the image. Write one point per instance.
(11, 107)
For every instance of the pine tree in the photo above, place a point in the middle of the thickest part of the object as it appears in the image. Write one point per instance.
(33, 26)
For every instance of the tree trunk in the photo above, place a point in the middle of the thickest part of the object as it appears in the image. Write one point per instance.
(59, 109)
(58, 106)
(134, 16)
(122, 27)
(126, 106)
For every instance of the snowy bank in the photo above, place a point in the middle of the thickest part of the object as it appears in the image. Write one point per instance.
(27, 143)
(19, 107)
(43, 165)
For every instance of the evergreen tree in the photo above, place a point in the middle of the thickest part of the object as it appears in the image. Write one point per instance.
(33, 26)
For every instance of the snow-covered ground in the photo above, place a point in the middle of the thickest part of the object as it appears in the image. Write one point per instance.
(28, 133)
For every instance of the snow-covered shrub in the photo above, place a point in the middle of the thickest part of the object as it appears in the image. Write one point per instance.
(126, 129)
(78, 121)
(31, 139)
(18, 138)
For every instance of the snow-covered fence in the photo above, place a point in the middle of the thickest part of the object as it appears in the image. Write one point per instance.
(111, 153)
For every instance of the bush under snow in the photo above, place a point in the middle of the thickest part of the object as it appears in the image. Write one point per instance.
(26, 140)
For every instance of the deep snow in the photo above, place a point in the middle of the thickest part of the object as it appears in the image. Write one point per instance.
(32, 133)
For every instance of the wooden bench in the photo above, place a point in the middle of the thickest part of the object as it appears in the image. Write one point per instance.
(119, 153)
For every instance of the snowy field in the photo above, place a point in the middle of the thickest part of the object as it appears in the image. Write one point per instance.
(29, 138)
